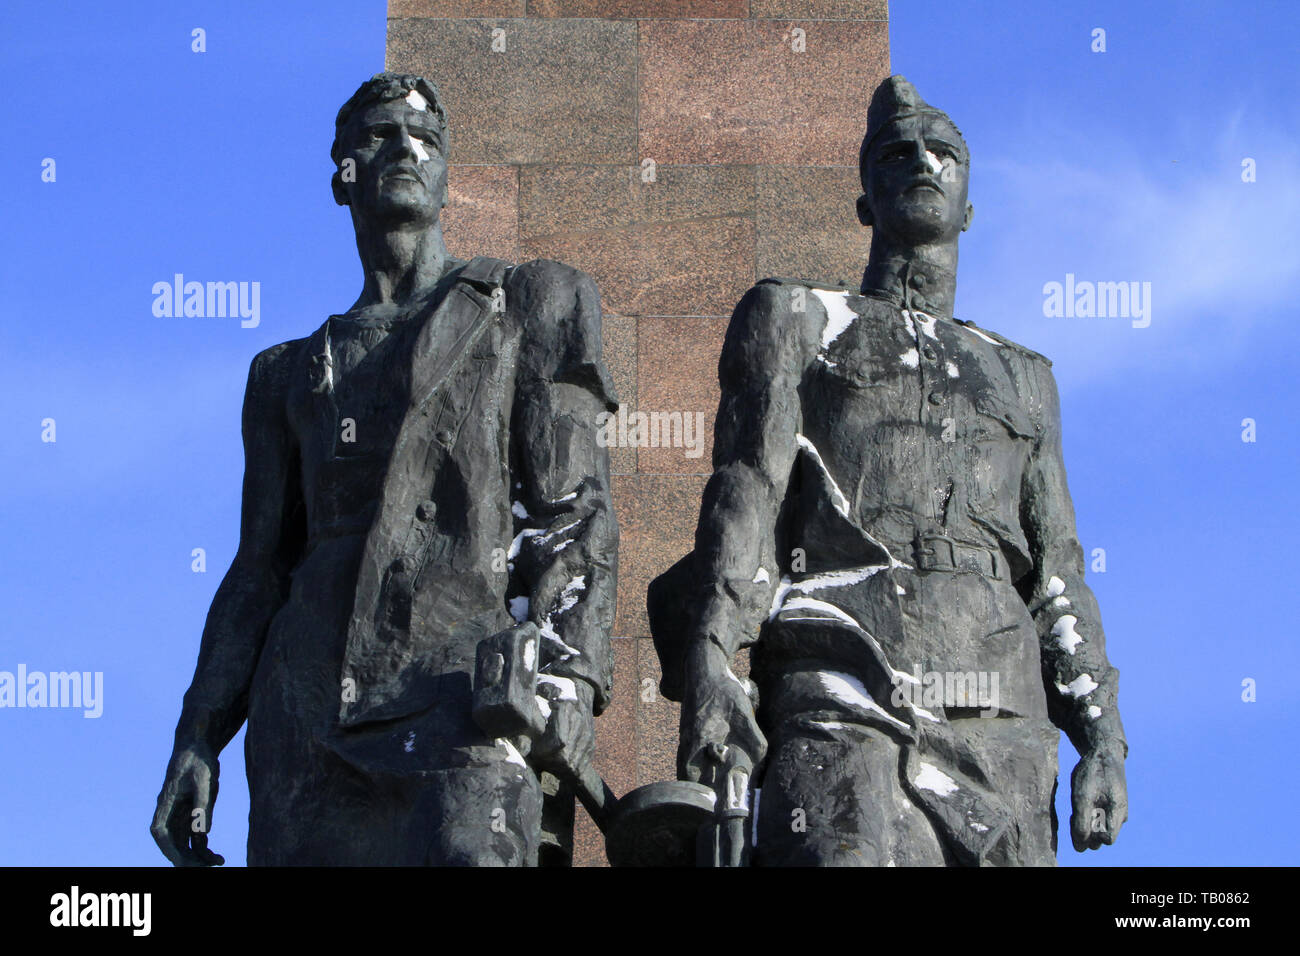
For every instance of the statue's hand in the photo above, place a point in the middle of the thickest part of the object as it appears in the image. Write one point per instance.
(1100, 797)
(719, 729)
(184, 815)
(570, 737)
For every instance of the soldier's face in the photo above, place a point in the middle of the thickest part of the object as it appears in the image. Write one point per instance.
(401, 169)
(917, 178)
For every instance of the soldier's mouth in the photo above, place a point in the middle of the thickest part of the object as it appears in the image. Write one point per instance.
(401, 172)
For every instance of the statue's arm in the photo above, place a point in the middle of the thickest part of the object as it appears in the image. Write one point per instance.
(253, 589)
(1082, 686)
(737, 569)
(256, 585)
(565, 554)
(755, 442)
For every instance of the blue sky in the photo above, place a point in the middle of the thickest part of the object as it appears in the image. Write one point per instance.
(1115, 166)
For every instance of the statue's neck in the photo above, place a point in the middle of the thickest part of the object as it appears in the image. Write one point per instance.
(922, 277)
(400, 264)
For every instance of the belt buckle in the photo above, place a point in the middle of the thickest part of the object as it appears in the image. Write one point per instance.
(928, 559)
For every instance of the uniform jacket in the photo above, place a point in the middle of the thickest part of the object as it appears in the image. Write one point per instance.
(495, 505)
(857, 435)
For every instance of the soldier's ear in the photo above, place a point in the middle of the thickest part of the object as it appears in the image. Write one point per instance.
(864, 211)
(970, 214)
(336, 185)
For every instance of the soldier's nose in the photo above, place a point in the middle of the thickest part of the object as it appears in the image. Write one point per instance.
(921, 158)
(403, 146)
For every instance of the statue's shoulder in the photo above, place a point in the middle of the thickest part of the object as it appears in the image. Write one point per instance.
(558, 310)
(774, 328)
(1002, 341)
(269, 376)
(553, 300)
(271, 366)
(838, 285)
(549, 278)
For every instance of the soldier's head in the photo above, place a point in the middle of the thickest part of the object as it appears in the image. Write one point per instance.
(390, 149)
(914, 167)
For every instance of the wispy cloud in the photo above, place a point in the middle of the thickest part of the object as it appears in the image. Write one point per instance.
(1221, 254)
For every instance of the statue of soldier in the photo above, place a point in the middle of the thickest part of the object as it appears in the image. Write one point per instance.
(888, 524)
(422, 473)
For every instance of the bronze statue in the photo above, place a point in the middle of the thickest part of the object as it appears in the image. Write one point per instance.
(422, 476)
(888, 525)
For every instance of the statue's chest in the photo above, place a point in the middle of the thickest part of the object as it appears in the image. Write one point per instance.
(910, 393)
(371, 377)
(354, 392)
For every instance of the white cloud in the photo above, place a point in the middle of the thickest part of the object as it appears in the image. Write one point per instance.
(1221, 254)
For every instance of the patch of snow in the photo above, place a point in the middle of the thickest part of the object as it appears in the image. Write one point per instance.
(1081, 686)
(974, 331)
(849, 690)
(837, 497)
(935, 780)
(926, 324)
(568, 690)
(829, 724)
(838, 314)
(837, 579)
(922, 712)
(547, 630)
(830, 579)
(518, 541)
(569, 596)
(1066, 636)
(812, 604)
(512, 752)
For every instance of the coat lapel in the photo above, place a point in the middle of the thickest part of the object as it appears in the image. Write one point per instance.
(382, 654)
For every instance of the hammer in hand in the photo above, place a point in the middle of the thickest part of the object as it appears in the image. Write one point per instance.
(509, 701)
